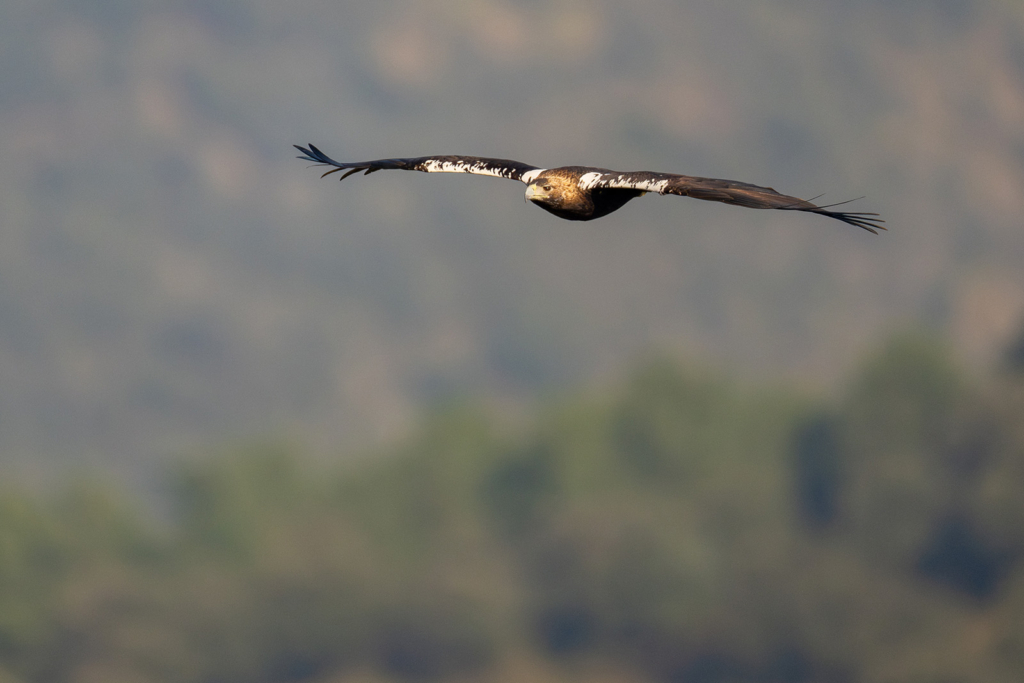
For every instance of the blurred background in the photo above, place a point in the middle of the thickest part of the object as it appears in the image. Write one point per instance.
(255, 426)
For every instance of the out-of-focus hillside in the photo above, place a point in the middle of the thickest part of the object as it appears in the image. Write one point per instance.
(169, 272)
(674, 528)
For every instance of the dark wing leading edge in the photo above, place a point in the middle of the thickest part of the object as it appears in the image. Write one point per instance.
(499, 168)
(727, 191)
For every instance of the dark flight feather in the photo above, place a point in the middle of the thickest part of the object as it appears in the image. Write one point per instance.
(500, 168)
(728, 192)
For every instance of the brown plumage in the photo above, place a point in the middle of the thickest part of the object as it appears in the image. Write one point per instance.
(582, 193)
(558, 191)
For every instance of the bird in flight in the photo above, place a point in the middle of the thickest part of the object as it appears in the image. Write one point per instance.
(583, 193)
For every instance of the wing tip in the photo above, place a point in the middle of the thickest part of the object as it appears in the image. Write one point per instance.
(865, 220)
(862, 219)
(313, 153)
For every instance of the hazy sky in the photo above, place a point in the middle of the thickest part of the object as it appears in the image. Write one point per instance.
(171, 276)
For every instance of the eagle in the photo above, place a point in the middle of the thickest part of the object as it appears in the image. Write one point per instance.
(583, 193)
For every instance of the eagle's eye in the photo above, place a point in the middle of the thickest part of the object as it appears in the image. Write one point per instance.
(547, 188)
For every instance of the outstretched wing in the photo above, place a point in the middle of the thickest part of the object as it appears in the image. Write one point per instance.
(727, 191)
(499, 168)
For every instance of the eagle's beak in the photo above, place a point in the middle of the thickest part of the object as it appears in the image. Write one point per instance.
(533, 192)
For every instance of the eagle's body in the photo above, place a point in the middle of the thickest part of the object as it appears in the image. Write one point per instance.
(582, 193)
(559, 191)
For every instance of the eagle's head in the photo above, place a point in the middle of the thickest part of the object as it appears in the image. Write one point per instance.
(558, 192)
(547, 192)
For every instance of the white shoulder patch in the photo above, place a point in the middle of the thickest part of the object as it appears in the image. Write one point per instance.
(474, 167)
(530, 176)
(622, 181)
(652, 185)
(437, 166)
(589, 181)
